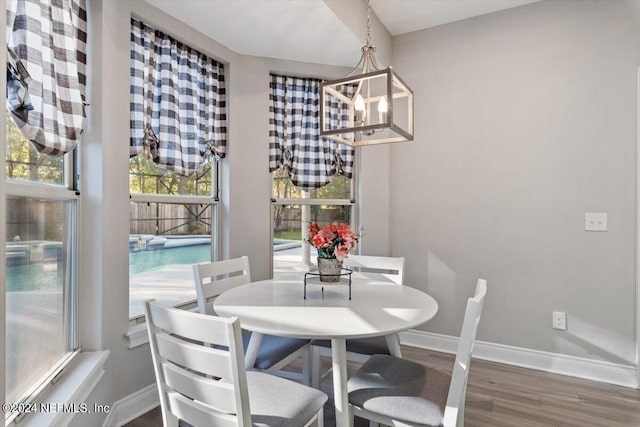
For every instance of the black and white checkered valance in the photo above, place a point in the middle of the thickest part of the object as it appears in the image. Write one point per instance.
(46, 71)
(178, 101)
(294, 133)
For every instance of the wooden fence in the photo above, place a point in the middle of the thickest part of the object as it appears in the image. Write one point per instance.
(169, 219)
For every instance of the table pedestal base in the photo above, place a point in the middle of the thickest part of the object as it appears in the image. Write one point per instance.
(340, 396)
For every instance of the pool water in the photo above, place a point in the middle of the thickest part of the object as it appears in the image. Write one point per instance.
(150, 260)
(35, 276)
(49, 275)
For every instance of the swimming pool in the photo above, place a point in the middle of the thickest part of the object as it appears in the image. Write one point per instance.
(50, 274)
(35, 276)
(31, 276)
(150, 260)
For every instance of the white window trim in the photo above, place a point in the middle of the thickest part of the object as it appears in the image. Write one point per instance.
(137, 335)
(314, 202)
(3, 206)
(172, 199)
(40, 191)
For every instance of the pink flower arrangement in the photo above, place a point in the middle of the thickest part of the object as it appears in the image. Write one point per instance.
(333, 241)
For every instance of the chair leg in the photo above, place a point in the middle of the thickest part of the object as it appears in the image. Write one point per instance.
(320, 419)
(171, 420)
(307, 366)
(351, 416)
(315, 367)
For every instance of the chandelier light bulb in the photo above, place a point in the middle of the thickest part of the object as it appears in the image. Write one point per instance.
(360, 109)
(382, 110)
(359, 104)
(382, 105)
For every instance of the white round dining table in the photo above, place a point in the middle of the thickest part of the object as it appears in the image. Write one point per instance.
(277, 307)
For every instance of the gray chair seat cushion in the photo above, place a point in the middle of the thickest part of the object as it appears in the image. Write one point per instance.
(272, 349)
(400, 389)
(373, 345)
(278, 402)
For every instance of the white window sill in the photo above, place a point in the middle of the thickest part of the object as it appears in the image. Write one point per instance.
(137, 335)
(74, 387)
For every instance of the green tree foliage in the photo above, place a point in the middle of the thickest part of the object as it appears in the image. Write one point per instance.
(29, 219)
(147, 177)
(24, 163)
(283, 188)
(167, 218)
(286, 218)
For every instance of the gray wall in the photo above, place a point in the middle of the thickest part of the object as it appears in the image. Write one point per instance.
(526, 119)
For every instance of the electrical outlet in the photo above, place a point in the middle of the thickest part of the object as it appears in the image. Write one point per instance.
(595, 222)
(559, 320)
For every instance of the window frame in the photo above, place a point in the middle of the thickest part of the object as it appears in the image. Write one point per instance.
(67, 192)
(352, 201)
(181, 199)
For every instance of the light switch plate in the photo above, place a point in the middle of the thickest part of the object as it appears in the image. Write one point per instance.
(595, 221)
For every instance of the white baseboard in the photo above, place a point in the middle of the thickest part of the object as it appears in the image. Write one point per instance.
(596, 370)
(131, 407)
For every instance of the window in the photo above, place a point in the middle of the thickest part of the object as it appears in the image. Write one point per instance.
(294, 209)
(178, 135)
(44, 122)
(41, 266)
(313, 177)
(172, 225)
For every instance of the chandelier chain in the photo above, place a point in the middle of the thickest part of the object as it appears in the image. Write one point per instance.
(368, 22)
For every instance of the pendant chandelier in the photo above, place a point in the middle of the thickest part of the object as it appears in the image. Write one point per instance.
(379, 103)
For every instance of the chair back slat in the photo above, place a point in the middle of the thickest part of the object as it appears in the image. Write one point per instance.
(454, 411)
(197, 414)
(208, 361)
(388, 269)
(218, 394)
(180, 322)
(201, 384)
(214, 278)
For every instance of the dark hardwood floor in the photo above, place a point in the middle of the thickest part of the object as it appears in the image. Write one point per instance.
(502, 395)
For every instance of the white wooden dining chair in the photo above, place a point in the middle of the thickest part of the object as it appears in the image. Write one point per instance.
(378, 269)
(212, 279)
(383, 268)
(199, 368)
(399, 392)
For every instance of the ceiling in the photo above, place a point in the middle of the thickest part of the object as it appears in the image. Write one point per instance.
(404, 16)
(298, 30)
(301, 30)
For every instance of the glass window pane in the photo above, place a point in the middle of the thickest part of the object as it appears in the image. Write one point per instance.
(291, 254)
(165, 240)
(283, 188)
(146, 177)
(24, 163)
(39, 288)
